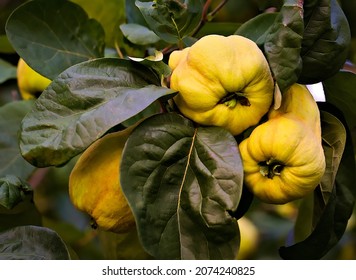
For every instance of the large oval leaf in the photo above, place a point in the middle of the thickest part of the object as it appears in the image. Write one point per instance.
(11, 161)
(182, 183)
(257, 28)
(54, 35)
(283, 44)
(32, 243)
(325, 43)
(82, 104)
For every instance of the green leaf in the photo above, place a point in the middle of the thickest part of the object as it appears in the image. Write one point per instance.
(155, 62)
(334, 140)
(54, 35)
(325, 43)
(340, 91)
(139, 34)
(182, 183)
(82, 104)
(12, 191)
(6, 8)
(172, 20)
(283, 44)
(330, 220)
(11, 161)
(7, 71)
(257, 28)
(110, 15)
(133, 14)
(32, 243)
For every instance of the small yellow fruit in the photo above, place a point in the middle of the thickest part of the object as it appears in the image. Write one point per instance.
(94, 184)
(283, 158)
(222, 81)
(30, 83)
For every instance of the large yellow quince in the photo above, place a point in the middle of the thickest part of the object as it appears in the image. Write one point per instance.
(94, 184)
(222, 81)
(283, 158)
(30, 83)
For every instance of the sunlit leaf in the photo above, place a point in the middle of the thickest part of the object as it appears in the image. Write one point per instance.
(182, 183)
(54, 35)
(82, 104)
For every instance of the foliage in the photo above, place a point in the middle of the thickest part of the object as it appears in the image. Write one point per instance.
(184, 182)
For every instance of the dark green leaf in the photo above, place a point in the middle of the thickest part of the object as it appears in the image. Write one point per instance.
(334, 139)
(6, 8)
(182, 183)
(283, 44)
(83, 103)
(32, 243)
(325, 43)
(172, 20)
(340, 91)
(333, 217)
(133, 14)
(7, 71)
(11, 161)
(54, 35)
(155, 62)
(12, 191)
(257, 28)
(139, 34)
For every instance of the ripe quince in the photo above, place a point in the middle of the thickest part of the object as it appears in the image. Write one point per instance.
(222, 81)
(94, 184)
(283, 158)
(30, 83)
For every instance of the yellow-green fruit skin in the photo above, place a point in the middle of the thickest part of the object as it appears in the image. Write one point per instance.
(214, 67)
(30, 83)
(94, 184)
(292, 139)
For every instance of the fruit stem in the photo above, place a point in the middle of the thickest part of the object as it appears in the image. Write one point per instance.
(271, 168)
(234, 96)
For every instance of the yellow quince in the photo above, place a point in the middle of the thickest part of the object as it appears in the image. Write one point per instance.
(94, 184)
(283, 158)
(222, 81)
(30, 83)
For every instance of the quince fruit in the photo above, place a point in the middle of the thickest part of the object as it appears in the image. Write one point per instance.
(283, 158)
(222, 81)
(94, 184)
(30, 83)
